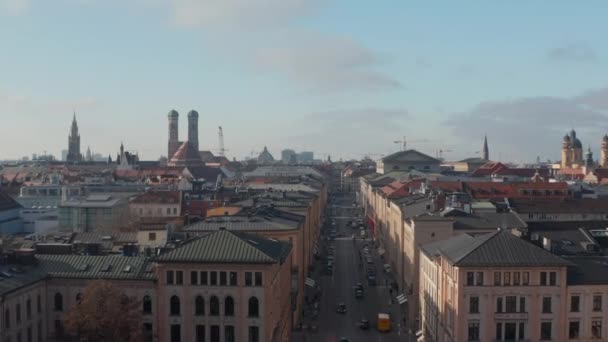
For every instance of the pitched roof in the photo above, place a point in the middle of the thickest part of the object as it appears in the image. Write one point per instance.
(498, 249)
(186, 154)
(409, 156)
(164, 197)
(96, 267)
(7, 202)
(224, 246)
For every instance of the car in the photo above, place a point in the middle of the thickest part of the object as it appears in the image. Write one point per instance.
(364, 324)
(359, 286)
(370, 261)
(358, 293)
(371, 280)
(341, 308)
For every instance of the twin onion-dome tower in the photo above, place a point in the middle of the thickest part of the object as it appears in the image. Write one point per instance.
(183, 153)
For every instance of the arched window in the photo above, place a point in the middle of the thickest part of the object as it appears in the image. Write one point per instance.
(254, 307)
(58, 302)
(229, 306)
(79, 298)
(175, 306)
(147, 303)
(7, 319)
(199, 306)
(214, 306)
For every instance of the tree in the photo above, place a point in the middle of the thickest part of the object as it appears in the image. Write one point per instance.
(105, 313)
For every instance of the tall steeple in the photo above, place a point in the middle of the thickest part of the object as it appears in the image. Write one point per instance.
(74, 142)
(486, 151)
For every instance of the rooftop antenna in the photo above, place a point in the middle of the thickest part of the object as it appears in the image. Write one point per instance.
(220, 135)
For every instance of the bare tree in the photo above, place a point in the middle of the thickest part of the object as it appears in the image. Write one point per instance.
(105, 314)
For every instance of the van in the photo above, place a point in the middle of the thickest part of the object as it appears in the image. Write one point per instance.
(384, 322)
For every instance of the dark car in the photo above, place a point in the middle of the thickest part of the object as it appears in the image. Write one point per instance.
(364, 324)
(341, 308)
(371, 280)
(358, 293)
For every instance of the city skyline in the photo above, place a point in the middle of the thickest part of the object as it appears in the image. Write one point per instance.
(289, 74)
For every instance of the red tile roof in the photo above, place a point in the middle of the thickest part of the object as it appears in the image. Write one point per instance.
(159, 197)
(490, 190)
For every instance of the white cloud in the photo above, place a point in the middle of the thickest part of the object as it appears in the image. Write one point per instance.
(14, 7)
(325, 63)
(238, 13)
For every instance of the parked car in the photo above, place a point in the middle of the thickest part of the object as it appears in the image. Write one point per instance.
(341, 308)
(358, 293)
(364, 324)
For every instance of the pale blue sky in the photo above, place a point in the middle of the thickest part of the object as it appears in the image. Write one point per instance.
(339, 77)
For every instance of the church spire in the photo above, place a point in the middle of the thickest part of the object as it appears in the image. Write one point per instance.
(486, 151)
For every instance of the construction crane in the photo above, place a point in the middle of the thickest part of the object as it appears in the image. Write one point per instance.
(220, 136)
(404, 142)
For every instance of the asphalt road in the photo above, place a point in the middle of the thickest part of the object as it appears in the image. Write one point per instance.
(338, 288)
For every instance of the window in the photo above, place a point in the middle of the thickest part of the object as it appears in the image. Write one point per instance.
(526, 279)
(176, 333)
(545, 331)
(498, 331)
(254, 307)
(147, 305)
(510, 331)
(199, 306)
(193, 278)
(215, 333)
(507, 278)
(516, 278)
(546, 304)
(19, 336)
(152, 236)
(248, 279)
(552, 278)
(543, 278)
(214, 306)
(213, 278)
(174, 306)
(229, 333)
(223, 279)
(597, 302)
(499, 304)
(38, 304)
(522, 304)
(574, 330)
(470, 278)
(596, 329)
(58, 302)
(170, 279)
(200, 333)
(18, 313)
(497, 278)
(29, 334)
(39, 334)
(229, 306)
(254, 334)
(258, 278)
(78, 298)
(28, 308)
(179, 277)
(168, 211)
(511, 304)
(147, 332)
(174, 211)
(522, 331)
(204, 278)
(479, 280)
(474, 331)
(7, 319)
(575, 304)
(474, 305)
(233, 279)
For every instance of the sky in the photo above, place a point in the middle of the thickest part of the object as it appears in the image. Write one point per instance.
(343, 78)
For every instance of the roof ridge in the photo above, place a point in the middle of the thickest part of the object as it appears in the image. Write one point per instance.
(494, 234)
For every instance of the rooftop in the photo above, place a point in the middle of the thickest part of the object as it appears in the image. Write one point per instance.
(7, 202)
(497, 249)
(411, 156)
(225, 246)
(158, 197)
(588, 270)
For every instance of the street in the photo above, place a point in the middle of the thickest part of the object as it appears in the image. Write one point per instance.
(348, 270)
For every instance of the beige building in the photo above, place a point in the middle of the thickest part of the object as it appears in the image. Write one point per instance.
(494, 287)
(97, 212)
(156, 204)
(407, 160)
(222, 287)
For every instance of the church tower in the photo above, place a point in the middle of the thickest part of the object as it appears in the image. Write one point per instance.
(604, 154)
(74, 143)
(193, 129)
(173, 117)
(566, 161)
(486, 151)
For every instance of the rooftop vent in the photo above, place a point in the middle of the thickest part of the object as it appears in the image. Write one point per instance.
(106, 237)
(83, 267)
(127, 269)
(106, 268)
